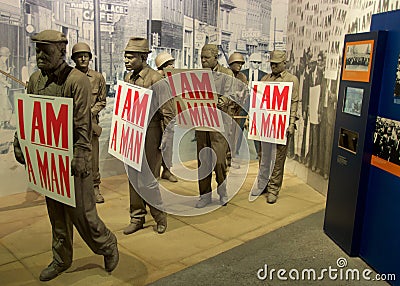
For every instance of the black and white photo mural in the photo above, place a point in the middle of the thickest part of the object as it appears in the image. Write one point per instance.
(315, 37)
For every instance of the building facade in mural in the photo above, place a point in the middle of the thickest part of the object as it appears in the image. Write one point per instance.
(315, 29)
(180, 27)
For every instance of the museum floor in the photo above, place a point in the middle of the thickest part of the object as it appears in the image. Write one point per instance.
(145, 256)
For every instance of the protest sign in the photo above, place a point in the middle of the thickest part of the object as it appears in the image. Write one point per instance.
(269, 111)
(195, 99)
(129, 123)
(315, 92)
(45, 125)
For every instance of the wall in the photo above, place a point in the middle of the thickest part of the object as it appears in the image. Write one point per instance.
(316, 28)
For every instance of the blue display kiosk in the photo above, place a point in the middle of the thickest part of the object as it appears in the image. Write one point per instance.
(380, 243)
(363, 202)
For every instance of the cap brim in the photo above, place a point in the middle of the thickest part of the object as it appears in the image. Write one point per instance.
(47, 42)
(137, 51)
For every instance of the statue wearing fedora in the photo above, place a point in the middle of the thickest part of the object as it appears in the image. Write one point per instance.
(143, 185)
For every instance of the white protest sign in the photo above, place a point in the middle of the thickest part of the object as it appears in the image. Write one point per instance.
(195, 99)
(129, 123)
(45, 133)
(269, 111)
(315, 92)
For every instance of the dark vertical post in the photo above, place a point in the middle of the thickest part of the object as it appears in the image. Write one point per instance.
(274, 32)
(149, 37)
(111, 59)
(97, 38)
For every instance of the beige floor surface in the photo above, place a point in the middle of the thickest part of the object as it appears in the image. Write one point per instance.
(145, 256)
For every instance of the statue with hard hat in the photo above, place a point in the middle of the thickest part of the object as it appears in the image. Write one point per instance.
(81, 55)
(236, 61)
(57, 78)
(163, 61)
(143, 185)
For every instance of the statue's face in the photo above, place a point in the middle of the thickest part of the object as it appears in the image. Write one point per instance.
(208, 60)
(133, 61)
(277, 68)
(48, 56)
(82, 60)
(236, 66)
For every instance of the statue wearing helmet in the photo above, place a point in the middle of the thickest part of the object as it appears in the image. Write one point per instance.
(164, 60)
(5, 104)
(236, 61)
(81, 48)
(236, 57)
(81, 55)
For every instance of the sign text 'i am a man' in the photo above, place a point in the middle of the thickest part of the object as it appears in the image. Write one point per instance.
(45, 134)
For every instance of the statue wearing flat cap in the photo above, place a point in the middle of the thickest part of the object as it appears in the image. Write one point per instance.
(49, 37)
(57, 79)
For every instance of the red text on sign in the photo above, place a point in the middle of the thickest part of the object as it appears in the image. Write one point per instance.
(272, 98)
(56, 128)
(54, 172)
(191, 85)
(130, 141)
(134, 109)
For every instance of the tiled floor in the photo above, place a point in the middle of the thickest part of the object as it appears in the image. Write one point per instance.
(145, 256)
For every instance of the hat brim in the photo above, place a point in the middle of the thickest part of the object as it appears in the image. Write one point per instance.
(277, 62)
(47, 42)
(144, 52)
